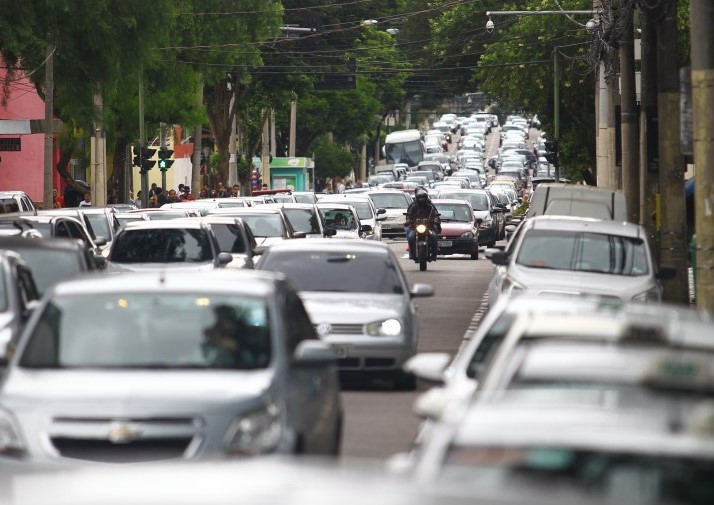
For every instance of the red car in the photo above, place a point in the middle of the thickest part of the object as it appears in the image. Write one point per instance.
(459, 228)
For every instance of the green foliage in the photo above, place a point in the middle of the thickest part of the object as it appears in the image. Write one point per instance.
(331, 159)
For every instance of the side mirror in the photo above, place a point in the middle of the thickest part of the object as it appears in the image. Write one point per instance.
(30, 307)
(100, 241)
(500, 258)
(299, 234)
(330, 232)
(257, 251)
(224, 258)
(429, 366)
(100, 262)
(421, 290)
(366, 228)
(381, 211)
(314, 352)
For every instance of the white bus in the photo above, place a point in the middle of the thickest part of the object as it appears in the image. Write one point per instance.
(404, 146)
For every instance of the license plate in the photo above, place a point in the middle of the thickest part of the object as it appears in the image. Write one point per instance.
(445, 243)
(341, 350)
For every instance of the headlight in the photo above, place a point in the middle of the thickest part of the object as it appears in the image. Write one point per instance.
(467, 234)
(387, 328)
(10, 440)
(256, 432)
(651, 295)
(486, 224)
(421, 228)
(509, 286)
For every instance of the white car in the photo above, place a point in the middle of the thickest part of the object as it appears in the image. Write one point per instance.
(168, 366)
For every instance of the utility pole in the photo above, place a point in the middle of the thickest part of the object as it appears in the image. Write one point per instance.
(162, 145)
(293, 128)
(649, 152)
(701, 22)
(49, 106)
(556, 106)
(673, 244)
(197, 140)
(628, 121)
(265, 150)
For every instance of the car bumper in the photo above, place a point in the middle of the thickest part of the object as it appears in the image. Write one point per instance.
(487, 236)
(452, 245)
(395, 230)
(370, 354)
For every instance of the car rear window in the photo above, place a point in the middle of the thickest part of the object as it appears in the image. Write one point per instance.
(350, 272)
(151, 330)
(173, 245)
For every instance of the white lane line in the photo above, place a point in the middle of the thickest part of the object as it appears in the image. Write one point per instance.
(473, 325)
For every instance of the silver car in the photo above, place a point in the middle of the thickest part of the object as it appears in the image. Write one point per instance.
(367, 212)
(169, 366)
(358, 299)
(395, 203)
(572, 255)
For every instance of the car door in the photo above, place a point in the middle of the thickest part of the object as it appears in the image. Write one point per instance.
(313, 389)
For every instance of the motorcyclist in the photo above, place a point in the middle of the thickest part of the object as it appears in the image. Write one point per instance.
(422, 208)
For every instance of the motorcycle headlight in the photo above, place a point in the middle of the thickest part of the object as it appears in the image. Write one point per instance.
(10, 440)
(467, 234)
(256, 432)
(421, 228)
(509, 286)
(386, 328)
(651, 295)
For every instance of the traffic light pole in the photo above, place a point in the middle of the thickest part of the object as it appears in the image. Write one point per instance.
(142, 140)
(162, 146)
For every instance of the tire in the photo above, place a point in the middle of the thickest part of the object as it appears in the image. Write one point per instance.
(422, 256)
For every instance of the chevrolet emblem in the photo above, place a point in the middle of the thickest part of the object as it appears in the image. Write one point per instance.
(122, 432)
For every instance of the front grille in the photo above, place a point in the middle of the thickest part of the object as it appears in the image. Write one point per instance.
(346, 329)
(348, 363)
(379, 363)
(136, 451)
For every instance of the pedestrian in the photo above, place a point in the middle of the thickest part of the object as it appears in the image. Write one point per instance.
(137, 201)
(86, 201)
(57, 200)
(235, 191)
(221, 191)
(172, 197)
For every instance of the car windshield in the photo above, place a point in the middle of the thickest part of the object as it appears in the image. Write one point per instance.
(304, 198)
(340, 219)
(229, 237)
(265, 225)
(583, 252)
(478, 201)
(173, 245)
(389, 201)
(50, 266)
(364, 210)
(150, 330)
(613, 477)
(454, 212)
(100, 225)
(303, 220)
(359, 272)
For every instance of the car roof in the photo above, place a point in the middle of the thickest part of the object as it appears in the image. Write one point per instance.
(248, 282)
(10, 242)
(595, 426)
(451, 201)
(165, 224)
(331, 245)
(267, 208)
(585, 224)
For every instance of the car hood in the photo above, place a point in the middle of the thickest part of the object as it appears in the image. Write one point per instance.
(482, 214)
(560, 281)
(128, 390)
(113, 267)
(347, 234)
(351, 308)
(268, 241)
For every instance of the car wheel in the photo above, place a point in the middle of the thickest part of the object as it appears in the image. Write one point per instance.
(405, 382)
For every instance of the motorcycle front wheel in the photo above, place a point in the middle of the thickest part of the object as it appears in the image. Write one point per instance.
(422, 255)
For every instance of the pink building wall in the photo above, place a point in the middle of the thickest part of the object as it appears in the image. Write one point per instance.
(24, 170)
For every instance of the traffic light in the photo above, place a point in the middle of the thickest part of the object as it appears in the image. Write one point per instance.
(142, 158)
(551, 152)
(164, 161)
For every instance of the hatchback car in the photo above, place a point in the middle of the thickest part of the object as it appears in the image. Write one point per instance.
(169, 366)
(578, 255)
(187, 244)
(306, 218)
(490, 214)
(395, 204)
(234, 237)
(343, 218)
(367, 212)
(459, 228)
(359, 300)
(268, 224)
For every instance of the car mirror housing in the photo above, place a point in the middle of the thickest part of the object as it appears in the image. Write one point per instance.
(330, 232)
(299, 234)
(421, 290)
(500, 257)
(313, 352)
(224, 258)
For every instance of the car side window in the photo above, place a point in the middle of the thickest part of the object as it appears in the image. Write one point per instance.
(25, 203)
(488, 346)
(75, 231)
(299, 325)
(26, 285)
(61, 230)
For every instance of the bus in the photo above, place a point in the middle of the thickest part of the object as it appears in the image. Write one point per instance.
(405, 146)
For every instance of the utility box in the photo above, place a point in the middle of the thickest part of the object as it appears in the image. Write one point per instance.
(291, 173)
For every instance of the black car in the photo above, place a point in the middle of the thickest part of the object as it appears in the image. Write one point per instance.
(51, 260)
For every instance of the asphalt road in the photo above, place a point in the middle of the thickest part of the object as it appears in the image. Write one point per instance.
(379, 421)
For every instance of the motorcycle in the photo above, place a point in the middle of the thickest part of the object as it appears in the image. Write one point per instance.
(422, 232)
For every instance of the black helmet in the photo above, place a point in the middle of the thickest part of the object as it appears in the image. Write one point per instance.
(421, 194)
